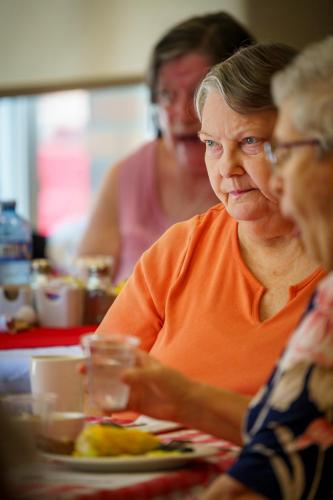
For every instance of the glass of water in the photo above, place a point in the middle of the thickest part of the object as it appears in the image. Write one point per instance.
(108, 356)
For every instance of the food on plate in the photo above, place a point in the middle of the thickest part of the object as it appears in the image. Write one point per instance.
(105, 440)
(109, 440)
(49, 445)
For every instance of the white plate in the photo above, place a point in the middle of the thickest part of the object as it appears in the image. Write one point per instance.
(153, 425)
(135, 463)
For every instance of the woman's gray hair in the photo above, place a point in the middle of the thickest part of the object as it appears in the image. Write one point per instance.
(307, 85)
(244, 79)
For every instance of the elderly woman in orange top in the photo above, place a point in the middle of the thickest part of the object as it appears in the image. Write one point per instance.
(217, 296)
(287, 430)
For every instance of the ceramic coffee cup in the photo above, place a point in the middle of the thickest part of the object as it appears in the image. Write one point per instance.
(58, 375)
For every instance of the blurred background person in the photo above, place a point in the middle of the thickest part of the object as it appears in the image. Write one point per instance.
(165, 181)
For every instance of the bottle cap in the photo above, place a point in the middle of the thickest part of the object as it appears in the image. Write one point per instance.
(8, 204)
(41, 265)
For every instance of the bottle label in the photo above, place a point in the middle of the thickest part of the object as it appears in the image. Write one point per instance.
(15, 273)
(20, 250)
(15, 263)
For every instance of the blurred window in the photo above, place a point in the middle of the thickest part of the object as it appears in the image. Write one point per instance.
(55, 148)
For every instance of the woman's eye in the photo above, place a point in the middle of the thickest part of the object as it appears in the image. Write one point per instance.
(250, 140)
(251, 145)
(213, 148)
(165, 96)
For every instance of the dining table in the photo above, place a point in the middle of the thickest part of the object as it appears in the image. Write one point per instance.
(16, 349)
(50, 480)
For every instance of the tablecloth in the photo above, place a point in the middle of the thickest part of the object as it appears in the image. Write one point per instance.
(44, 337)
(16, 350)
(55, 482)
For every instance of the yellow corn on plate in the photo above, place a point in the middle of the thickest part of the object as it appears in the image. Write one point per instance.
(98, 440)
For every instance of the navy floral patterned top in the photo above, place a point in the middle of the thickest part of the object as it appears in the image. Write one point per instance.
(288, 435)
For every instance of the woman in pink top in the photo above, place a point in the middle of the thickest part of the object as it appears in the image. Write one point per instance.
(166, 180)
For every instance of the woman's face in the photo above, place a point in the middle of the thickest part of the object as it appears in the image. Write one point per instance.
(303, 182)
(177, 82)
(236, 164)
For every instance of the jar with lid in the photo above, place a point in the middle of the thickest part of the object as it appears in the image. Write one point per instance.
(98, 290)
(41, 272)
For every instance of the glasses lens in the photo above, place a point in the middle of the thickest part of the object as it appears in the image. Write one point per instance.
(270, 155)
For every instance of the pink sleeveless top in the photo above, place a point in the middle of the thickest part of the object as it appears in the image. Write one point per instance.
(141, 220)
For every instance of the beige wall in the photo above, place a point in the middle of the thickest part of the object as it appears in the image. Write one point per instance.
(47, 42)
(296, 22)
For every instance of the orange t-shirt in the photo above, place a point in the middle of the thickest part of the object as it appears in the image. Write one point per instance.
(195, 306)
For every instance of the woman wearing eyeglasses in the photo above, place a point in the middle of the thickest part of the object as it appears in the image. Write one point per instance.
(289, 427)
(218, 296)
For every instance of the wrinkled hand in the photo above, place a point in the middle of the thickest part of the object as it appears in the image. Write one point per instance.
(157, 390)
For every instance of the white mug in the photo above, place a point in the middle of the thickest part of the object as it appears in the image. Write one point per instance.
(58, 374)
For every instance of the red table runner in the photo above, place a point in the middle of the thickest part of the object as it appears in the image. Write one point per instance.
(44, 337)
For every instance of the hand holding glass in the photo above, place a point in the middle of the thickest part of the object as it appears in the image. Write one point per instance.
(108, 356)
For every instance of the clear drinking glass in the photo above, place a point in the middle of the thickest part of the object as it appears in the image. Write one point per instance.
(108, 355)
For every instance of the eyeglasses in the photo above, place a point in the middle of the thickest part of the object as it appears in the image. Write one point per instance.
(277, 153)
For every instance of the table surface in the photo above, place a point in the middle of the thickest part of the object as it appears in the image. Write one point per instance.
(16, 350)
(44, 337)
(55, 481)
(49, 480)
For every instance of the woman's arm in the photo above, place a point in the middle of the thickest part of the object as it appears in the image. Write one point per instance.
(140, 309)
(102, 236)
(164, 393)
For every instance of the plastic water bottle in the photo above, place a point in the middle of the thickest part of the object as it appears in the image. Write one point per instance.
(15, 246)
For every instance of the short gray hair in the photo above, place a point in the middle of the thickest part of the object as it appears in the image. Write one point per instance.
(244, 79)
(307, 84)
